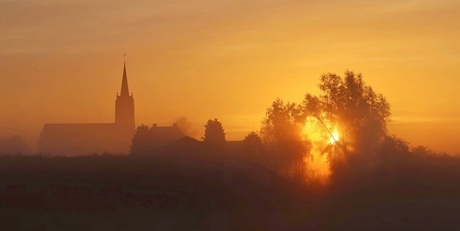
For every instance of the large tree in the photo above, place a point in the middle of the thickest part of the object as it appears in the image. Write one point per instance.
(281, 134)
(349, 103)
(359, 113)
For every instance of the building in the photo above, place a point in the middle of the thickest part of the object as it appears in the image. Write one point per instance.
(147, 140)
(90, 138)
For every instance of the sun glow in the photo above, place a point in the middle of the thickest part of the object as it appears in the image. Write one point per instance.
(322, 135)
(334, 138)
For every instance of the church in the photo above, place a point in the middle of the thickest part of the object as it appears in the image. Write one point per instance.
(88, 138)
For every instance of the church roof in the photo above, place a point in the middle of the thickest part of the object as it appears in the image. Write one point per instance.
(83, 139)
(169, 133)
(72, 128)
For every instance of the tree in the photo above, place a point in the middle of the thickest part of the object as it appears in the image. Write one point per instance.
(141, 140)
(214, 133)
(252, 144)
(281, 134)
(361, 115)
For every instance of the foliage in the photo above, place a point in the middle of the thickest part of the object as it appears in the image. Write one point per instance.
(281, 134)
(422, 151)
(141, 140)
(252, 144)
(394, 146)
(361, 115)
(214, 132)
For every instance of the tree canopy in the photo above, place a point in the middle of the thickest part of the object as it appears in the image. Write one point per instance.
(359, 113)
(214, 132)
(141, 140)
(281, 134)
(354, 106)
(252, 143)
(351, 116)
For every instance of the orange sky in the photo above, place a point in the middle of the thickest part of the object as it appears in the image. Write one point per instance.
(62, 61)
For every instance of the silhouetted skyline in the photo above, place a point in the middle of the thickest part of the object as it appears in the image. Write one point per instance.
(237, 115)
(234, 57)
(73, 139)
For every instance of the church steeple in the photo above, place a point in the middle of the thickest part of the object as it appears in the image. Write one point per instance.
(124, 105)
(124, 82)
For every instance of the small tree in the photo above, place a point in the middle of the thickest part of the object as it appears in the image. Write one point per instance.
(252, 144)
(214, 132)
(141, 140)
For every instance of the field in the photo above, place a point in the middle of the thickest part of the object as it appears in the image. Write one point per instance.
(218, 193)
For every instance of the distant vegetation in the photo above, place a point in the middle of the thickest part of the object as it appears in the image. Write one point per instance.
(14, 145)
(347, 123)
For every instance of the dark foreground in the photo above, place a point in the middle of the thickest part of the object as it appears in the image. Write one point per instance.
(128, 193)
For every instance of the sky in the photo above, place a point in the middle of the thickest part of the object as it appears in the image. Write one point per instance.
(62, 61)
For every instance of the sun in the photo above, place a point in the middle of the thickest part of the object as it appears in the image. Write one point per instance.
(320, 132)
(334, 138)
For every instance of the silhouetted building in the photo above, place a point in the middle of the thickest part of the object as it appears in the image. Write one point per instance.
(89, 138)
(147, 139)
(162, 135)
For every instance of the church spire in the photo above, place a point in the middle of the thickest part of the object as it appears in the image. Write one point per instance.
(124, 82)
(124, 105)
